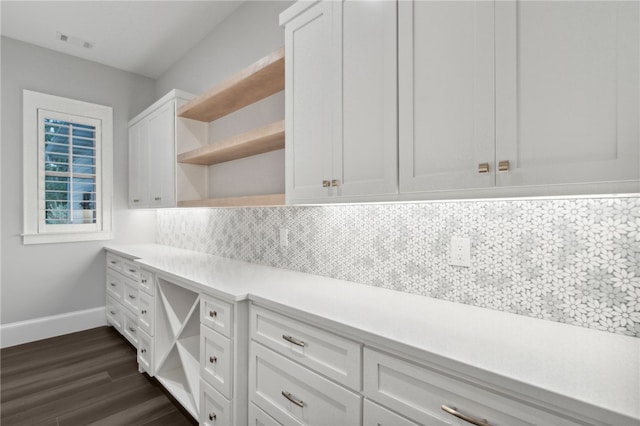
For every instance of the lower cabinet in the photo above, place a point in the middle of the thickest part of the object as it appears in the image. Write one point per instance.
(216, 409)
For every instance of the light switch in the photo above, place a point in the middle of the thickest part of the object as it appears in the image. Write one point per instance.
(460, 252)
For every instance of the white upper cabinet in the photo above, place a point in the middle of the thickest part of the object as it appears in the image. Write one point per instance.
(446, 94)
(341, 100)
(162, 156)
(138, 165)
(518, 98)
(567, 91)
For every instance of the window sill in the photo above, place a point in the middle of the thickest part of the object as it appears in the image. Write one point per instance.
(65, 237)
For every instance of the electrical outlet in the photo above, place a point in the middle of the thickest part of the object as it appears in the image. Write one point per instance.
(284, 237)
(460, 252)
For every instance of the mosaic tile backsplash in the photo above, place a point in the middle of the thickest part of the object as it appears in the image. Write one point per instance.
(575, 261)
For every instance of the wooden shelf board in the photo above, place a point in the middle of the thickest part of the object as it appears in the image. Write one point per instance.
(257, 141)
(259, 80)
(251, 200)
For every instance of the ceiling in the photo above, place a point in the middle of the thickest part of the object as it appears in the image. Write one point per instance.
(144, 37)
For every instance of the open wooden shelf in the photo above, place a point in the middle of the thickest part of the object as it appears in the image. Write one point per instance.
(251, 200)
(257, 141)
(259, 80)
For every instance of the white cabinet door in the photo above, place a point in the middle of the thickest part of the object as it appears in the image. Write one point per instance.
(162, 157)
(341, 100)
(310, 69)
(567, 91)
(366, 140)
(138, 165)
(446, 94)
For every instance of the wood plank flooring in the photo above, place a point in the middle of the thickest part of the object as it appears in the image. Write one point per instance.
(85, 378)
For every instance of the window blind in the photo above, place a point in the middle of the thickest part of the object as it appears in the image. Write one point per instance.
(69, 172)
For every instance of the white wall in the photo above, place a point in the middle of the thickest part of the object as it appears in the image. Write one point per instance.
(51, 279)
(247, 35)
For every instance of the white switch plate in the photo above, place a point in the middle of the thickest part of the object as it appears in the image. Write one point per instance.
(284, 237)
(460, 252)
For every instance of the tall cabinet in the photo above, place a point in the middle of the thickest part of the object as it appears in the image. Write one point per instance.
(341, 109)
(517, 93)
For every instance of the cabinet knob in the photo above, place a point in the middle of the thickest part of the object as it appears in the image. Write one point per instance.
(326, 184)
(483, 168)
(212, 416)
(144, 281)
(131, 329)
(213, 359)
(503, 166)
(143, 312)
(142, 351)
(335, 182)
(132, 297)
(112, 284)
(213, 314)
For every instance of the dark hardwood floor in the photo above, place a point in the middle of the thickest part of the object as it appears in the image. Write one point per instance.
(85, 378)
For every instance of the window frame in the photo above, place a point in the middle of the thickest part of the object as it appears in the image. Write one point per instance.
(35, 231)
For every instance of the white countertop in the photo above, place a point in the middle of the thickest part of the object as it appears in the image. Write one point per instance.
(576, 364)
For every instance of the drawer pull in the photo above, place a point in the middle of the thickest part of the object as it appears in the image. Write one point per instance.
(133, 271)
(143, 312)
(131, 296)
(112, 284)
(213, 314)
(113, 262)
(142, 351)
(294, 340)
(132, 329)
(212, 416)
(298, 402)
(454, 412)
(213, 359)
(113, 312)
(144, 281)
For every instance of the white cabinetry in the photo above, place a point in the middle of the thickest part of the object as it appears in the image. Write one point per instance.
(341, 100)
(122, 296)
(153, 135)
(514, 94)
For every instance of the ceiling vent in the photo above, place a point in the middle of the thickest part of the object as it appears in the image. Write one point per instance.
(76, 41)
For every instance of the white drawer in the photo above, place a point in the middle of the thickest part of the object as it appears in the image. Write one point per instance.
(294, 395)
(147, 282)
(145, 312)
(131, 270)
(130, 294)
(216, 360)
(115, 285)
(145, 352)
(257, 417)
(114, 313)
(215, 409)
(419, 393)
(114, 262)
(375, 415)
(216, 314)
(324, 352)
(130, 327)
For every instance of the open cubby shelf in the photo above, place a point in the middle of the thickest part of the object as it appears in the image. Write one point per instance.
(263, 78)
(178, 343)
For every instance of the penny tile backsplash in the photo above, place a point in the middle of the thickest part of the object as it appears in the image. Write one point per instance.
(569, 260)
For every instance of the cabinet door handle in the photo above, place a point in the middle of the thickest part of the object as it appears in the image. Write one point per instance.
(131, 296)
(158, 198)
(298, 402)
(136, 201)
(326, 184)
(113, 262)
(133, 271)
(213, 359)
(212, 416)
(454, 412)
(503, 166)
(335, 182)
(294, 340)
(213, 314)
(483, 168)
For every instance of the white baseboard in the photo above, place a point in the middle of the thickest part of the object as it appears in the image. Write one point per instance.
(16, 333)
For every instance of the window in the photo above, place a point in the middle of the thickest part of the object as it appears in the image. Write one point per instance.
(67, 169)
